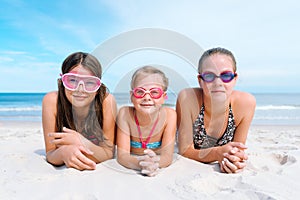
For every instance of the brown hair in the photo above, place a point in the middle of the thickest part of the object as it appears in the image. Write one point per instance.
(65, 116)
(218, 50)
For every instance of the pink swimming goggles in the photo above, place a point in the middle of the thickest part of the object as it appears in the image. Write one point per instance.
(154, 93)
(72, 81)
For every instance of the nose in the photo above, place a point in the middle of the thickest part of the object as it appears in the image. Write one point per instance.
(147, 95)
(80, 86)
(218, 80)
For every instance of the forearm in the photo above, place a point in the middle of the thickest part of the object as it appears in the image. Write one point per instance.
(101, 153)
(166, 158)
(129, 161)
(203, 155)
(55, 157)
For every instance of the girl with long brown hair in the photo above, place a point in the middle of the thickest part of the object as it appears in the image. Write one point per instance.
(79, 119)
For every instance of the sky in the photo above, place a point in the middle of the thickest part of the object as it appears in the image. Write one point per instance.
(36, 36)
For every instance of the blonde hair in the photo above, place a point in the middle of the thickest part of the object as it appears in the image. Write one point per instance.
(150, 70)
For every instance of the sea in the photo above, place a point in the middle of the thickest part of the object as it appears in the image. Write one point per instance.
(271, 109)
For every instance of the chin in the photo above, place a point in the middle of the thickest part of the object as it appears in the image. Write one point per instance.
(148, 109)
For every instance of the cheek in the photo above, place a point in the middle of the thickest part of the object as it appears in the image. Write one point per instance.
(134, 100)
(68, 95)
(161, 100)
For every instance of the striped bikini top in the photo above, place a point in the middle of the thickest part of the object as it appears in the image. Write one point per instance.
(152, 145)
(202, 140)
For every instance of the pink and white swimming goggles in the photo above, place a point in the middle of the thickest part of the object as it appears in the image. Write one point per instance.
(154, 93)
(72, 81)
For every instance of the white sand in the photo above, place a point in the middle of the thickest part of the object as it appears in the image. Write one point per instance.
(272, 171)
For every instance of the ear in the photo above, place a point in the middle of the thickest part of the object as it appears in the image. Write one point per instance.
(131, 95)
(165, 96)
(199, 80)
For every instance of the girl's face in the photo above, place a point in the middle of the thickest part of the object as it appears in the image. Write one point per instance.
(80, 98)
(147, 100)
(217, 89)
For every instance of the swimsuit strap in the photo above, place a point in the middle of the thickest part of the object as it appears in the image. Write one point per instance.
(144, 143)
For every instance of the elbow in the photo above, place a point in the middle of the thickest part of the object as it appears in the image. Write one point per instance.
(183, 151)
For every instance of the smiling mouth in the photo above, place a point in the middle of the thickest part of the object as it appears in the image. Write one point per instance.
(79, 97)
(217, 91)
(146, 104)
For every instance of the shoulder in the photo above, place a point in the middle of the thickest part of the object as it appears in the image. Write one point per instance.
(50, 98)
(240, 98)
(109, 98)
(189, 99)
(125, 111)
(243, 104)
(190, 93)
(170, 112)
(109, 102)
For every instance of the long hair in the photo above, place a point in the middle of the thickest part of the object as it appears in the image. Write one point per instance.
(65, 117)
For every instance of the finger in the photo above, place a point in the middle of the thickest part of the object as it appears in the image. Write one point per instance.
(145, 171)
(145, 164)
(149, 152)
(245, 157)
(153, 173)
(241, 155)
(240, 145)
(156, 159)
(144, 157)
(78, 165)
(232, 158)
(149, 172)
(85, 150)
(225, 168)
(67, 130)
(72, 165)
(57, 141)
(56, 135)
(221, 167)
(234, 150)
(85, 162)
(154, 167)
(239, 170)
(240, 165)
(230, 165)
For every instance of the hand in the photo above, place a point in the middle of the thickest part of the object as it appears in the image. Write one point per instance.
(73, 156)
(149, 163)
(66, 138)
(233, 160)
(227, 166)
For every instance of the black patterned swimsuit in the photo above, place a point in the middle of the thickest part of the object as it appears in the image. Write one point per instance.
(202, 140)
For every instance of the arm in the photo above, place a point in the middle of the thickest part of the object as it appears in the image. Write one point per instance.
(123, 141)
(70, 155)
(48, 121)
(187, 108)
(243, 105)
(167, 147)
(106, 151)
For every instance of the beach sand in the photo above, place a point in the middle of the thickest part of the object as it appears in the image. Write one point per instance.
(272, 171)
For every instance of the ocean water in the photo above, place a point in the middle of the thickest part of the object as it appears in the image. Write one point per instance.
(271, 109)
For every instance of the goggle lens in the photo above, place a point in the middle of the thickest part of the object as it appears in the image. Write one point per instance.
(226, 77)
(155, 93)
(72, 82)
